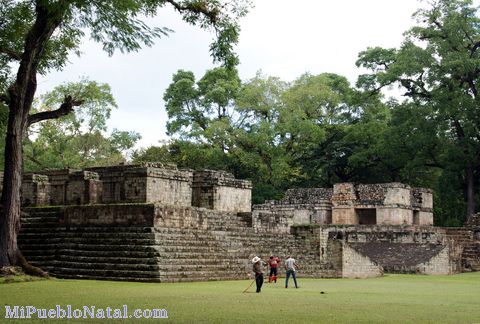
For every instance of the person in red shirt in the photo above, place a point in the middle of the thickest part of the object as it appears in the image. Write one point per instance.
(273, 263)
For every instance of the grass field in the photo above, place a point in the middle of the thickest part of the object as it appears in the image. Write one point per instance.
(390, 299)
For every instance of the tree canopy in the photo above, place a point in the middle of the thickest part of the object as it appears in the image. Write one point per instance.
(437, 67)
(79, 139)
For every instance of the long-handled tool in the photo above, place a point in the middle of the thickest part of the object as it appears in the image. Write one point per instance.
(249, 286)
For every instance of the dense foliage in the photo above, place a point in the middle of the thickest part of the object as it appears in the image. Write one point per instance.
(319, 130)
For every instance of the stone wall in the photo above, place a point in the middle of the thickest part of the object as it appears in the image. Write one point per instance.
(157, 242)
(82, 188)
(302, 196)
(35, 190)
(141, 183)
(357, 265)
(299, 207)
(154, 223)
(405, 249)
(171, 187)
(349, 204)
(220, 191)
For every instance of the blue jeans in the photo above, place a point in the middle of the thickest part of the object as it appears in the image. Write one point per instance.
(294, 275)
(259, 281)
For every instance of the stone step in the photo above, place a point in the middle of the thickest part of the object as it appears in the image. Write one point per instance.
(105, 272)
(90, 241)
(93, 277)
(103, 229)
(40, 258)
(102, 253)
(208, 274)
(200, 249)
(191, 278)
(47, 227)
(106, 247)
(133, 260)
(43, 210)
(39, 248)
(107, 266)
(86, 247)
(40, 251)
(39, 219)
(107, 259)
(37, 229)
(85, 235)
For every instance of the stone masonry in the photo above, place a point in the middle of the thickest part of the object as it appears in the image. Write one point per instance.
(350, 204)
(154, 222)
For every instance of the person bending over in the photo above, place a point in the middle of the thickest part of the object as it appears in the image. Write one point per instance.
(258, 270)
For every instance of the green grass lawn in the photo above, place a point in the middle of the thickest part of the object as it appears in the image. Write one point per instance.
(392, 298)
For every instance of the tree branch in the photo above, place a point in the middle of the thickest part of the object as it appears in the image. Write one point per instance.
(197, 7)
(65, 108)
(13, 54)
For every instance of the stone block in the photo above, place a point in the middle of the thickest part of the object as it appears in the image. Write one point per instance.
(35, 190)
(357, 265)
(344, 216)
(394, 216)
(221, 191)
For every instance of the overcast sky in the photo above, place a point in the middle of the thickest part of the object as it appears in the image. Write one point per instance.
(282, 38)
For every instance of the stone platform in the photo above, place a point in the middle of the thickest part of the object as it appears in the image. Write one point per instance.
(158, 243)
(151, 222)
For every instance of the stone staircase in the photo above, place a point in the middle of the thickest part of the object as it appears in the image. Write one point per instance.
(221, 250)
(88, 252)
(468, 242)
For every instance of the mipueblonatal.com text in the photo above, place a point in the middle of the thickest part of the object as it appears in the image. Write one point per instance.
(86, 312)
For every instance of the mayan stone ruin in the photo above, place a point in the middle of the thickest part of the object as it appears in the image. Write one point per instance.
(156, 223)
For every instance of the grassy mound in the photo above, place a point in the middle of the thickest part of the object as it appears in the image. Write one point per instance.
(15, 274)
(389, 299)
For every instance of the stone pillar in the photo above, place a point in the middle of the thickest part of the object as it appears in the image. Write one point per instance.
(343, 200)
(58, 186)
(83, 188)
(422, 203)
(35, 190)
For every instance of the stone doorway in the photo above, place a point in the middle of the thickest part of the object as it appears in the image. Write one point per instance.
(366, 216)
(416, 217)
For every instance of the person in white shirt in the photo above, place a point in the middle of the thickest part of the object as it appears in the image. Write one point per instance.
(291, 267)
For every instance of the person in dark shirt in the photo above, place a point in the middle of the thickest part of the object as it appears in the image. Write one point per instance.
(273, 263)
(258, 270)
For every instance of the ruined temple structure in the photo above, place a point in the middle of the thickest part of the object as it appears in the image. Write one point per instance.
(156, 223)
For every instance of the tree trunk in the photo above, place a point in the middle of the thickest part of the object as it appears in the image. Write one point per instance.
(10, 222)
(470, 191)
(21, 94)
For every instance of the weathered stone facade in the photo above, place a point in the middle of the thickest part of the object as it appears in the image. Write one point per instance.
(350, 204)
(156, 223)
(145, 183)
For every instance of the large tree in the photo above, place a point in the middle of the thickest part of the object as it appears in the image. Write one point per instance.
(38, 35)
(79, 139)
(314, 131)
(438, 66)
